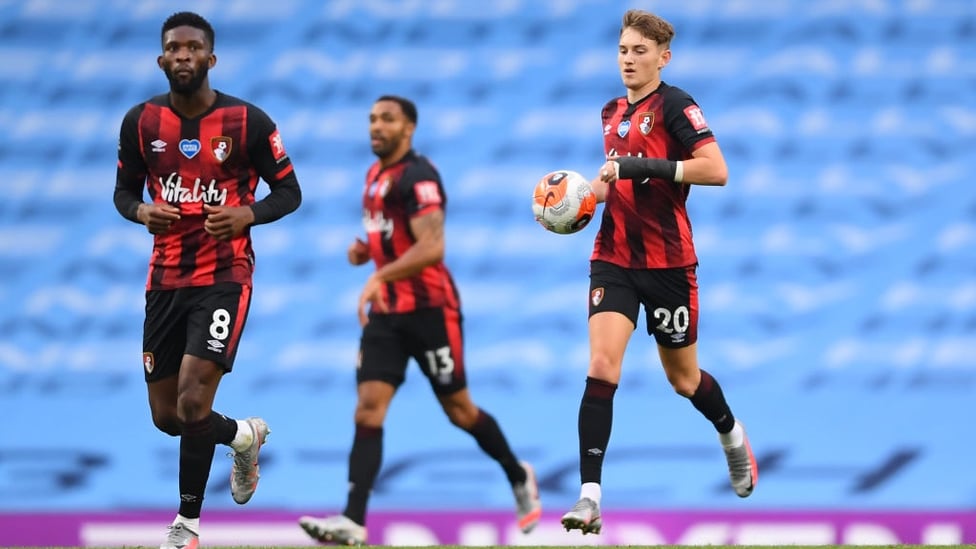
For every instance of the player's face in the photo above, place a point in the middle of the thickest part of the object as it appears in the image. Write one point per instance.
(186, 59)
(640, 59)
(389, 129)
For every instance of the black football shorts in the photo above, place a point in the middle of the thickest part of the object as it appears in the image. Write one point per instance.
(431, 336)
(203, 321)
(669, 297)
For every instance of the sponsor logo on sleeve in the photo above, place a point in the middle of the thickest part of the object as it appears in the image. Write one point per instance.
(694, 115)
(427, 193)
(277, 146)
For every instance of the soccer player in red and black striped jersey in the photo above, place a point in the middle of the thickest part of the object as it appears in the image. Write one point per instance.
(200, 155)
(657, 145)
(414, 312)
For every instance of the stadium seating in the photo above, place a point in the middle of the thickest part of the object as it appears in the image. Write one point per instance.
(838, 284)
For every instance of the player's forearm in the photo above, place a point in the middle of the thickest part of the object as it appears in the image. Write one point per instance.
(640, 168)
(284, 198)
(600, 188)
(694, 171)
(418, 257)
(704, 171)
(127, 202)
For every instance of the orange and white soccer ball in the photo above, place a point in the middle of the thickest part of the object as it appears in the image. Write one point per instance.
(563, 202)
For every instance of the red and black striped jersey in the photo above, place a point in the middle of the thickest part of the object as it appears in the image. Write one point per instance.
(216, 159)
(392, 197)
(645, 223)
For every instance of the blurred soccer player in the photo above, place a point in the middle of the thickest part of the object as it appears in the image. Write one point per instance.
(200, 153)
(657, 144)
(414, 312)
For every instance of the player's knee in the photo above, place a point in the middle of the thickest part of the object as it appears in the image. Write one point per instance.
(602, 367)
(683, 384)
(191, 408)
(168, 424)
(460, 410)
(461, 418)
(370, 413)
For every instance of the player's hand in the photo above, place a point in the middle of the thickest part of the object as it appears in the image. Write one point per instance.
(158, 218)
(610, 170)
(372, 294)
(358, 252)
(226, 222)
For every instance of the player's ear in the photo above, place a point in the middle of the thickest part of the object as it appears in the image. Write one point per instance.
(213, 60)
(159, 61)
(665, 58)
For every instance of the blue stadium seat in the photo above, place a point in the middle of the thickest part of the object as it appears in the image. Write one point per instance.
(837, 293)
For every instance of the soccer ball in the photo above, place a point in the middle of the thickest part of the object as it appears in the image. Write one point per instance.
(563, 202)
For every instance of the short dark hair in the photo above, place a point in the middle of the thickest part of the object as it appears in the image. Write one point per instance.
(188, 19)
(406, 105)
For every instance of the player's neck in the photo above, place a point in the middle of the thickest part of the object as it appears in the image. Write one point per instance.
(397, 156)
(636, 94)
(195, 104)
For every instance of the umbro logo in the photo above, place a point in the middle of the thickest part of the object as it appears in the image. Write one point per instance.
(215, 346)
(158, 146)
(595, 452)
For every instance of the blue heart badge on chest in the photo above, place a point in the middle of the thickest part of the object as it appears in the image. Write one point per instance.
(622, 129)
(189, 147)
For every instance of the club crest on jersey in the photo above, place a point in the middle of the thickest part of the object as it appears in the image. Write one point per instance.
(596, 296)
(623, 127)
(646, 123)
(189, 147)
(148, 363)
(221, 147)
